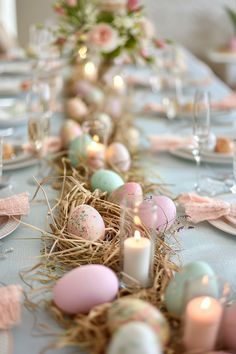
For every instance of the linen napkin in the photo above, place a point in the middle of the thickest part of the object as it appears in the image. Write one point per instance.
(228, 102)
(169, 142)
(203, 208)
(52, 144)
(15, 205)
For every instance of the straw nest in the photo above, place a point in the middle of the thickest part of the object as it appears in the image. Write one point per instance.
(62, 252)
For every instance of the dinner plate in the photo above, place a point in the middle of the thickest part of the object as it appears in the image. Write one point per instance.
(18, 165)
(21, 159)
(8, 224)
(210, 157)
(223, 224)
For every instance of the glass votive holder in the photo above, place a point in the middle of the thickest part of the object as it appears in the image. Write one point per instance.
(137, 242)
(205, 299)
(95, 141)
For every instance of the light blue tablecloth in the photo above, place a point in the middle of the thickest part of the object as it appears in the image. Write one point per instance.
(201, 243)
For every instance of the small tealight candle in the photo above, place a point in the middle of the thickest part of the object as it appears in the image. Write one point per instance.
(96, 154)
(137, 258)
(202, 321)
(119, 84)
(90, 71)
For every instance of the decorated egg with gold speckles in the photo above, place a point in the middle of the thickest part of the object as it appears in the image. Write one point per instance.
(126, 310)
(86, 222)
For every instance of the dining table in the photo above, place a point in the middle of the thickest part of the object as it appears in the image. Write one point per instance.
(202, 242)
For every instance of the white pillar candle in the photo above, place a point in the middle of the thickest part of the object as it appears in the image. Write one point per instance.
(137, 258)
(90, 71)
(119, 84)
(202, 321)
(96, 154)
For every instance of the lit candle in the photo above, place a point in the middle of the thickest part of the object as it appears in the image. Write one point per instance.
(137, 258)
(202, 321)
(90, 71)
(118, 84)
(96, 154)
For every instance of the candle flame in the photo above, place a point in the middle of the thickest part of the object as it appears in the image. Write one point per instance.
(83, 52)
(89, 68)
(96, 138)
(137, 235)
(206, 302)
(118, 82)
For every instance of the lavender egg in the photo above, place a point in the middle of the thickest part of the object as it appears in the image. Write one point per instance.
(129, 193)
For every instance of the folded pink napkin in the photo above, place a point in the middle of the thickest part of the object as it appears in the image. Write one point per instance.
(228, 102)
(15, 205)
(203, 208)
(169, 142)
(52, 144)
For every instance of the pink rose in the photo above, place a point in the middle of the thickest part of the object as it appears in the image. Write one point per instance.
(71, 3)
(104, 38)
(59, 10)
(133, 5)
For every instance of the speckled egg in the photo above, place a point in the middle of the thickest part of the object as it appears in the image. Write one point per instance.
(129, 194)
(84, 287)
(175, 291)
(106, 181)
(78, 148)
(94, 97)
(134, 336)
(126, 310)
(76, 109)
(118, 157)
(86, 222)
(69, 131)
(106, 120)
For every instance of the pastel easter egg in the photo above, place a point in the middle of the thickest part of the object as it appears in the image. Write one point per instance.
(85, 287)
(228, 327)
(126, 310)
(118, 157)
(165, 212)
(106, 181)
(175, 298)
(130, 194)
(133, 137)
(147, 212)
(78, 148)
(136, 335)
(69, 131)
(82, 88)
(113, 107)
(76, 109)
(106, 120)
(94, 97)
(86, 222)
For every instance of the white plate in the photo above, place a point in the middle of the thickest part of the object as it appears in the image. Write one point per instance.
(8, 225)
(12, 112)
(222, 223)
(210, 157)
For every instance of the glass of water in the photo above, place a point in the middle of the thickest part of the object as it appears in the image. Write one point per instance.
(201, 130)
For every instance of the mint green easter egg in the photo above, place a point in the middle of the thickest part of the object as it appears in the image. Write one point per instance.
(106, 181)
(179, 289)
(78, 148)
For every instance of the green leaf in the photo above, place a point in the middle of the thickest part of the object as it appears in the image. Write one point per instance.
(131, 43)
(106, 17)
(114, 54)
(232, 16)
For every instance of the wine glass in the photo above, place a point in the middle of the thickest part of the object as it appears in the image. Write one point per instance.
(39, 115)
(233, 188)
(201, 129)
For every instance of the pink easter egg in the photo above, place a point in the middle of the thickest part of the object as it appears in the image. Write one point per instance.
(127, 195)
(86, 222)
(69, 131)
(148, 214)
(228, 327)
(82, 88)
(118, 157)
(84, 287)
(113, 107)
(166, 212)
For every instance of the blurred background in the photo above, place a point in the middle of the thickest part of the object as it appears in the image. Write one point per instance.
(200, 26)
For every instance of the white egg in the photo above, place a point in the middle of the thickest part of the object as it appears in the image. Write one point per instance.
(118, 157)
(134, 337)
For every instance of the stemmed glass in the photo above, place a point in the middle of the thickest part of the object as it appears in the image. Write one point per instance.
(233, 188)
(39, 123)
(201, 129)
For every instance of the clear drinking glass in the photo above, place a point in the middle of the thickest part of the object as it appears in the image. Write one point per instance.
(137, 241)
(233, 188)
(39, 115)
(201, 129)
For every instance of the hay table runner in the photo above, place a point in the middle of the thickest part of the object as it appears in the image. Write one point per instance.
(203, 242)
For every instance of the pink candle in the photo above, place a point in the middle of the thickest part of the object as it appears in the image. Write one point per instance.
(202, 321)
